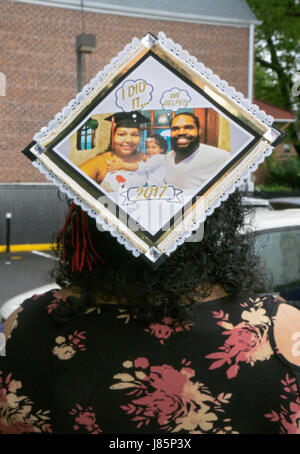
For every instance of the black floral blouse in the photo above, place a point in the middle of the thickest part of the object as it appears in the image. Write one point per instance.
(105, 372)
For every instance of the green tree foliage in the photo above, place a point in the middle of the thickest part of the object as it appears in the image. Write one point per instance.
(266, 86)
(278, 57)
(285, 173)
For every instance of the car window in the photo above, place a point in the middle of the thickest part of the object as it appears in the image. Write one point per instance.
(281, 253)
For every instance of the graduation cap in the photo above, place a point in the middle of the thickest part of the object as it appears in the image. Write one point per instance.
(127, 119)
(148, 219)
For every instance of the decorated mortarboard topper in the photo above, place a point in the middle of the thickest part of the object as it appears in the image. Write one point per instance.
(152, 199)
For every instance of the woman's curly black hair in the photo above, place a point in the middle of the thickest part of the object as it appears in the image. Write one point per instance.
(224, 257)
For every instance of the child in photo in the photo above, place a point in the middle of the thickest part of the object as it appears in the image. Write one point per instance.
(154, 163)
(155, 166)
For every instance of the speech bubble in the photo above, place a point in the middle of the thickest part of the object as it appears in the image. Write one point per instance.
(134, 95)
(175, 99)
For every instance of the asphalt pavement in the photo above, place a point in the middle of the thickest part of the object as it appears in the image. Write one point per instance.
(23, 271)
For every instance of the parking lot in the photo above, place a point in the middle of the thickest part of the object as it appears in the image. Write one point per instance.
(23, 271)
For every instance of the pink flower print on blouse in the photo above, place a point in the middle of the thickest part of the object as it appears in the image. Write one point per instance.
(36, 296)
(57, 297)
(66, 348)
(171, 397)
(247, 342)
(289, 414)
(167, 328)
(86, 419)
(16, 415)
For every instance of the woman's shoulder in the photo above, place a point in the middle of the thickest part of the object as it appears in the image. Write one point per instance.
(103, 157)
(98, 159)
(32, 308)
(106, 155)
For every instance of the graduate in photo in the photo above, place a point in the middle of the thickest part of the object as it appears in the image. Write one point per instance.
(116, 168)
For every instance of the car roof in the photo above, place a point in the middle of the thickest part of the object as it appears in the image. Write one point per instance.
(256, 202)
(270, 220)
(295, 200)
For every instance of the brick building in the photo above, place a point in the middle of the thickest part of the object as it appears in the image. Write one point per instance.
(39, 60)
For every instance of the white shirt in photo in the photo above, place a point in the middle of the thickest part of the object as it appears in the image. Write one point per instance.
(197, 169)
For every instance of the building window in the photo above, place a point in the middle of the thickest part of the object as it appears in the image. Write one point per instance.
(86, 135)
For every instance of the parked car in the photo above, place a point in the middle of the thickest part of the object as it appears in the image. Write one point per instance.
(278, 242)
(285, 202)
(257, 203)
